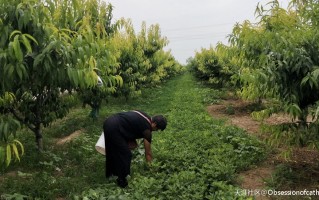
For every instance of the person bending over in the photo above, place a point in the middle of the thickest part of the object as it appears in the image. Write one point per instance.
(120, 132)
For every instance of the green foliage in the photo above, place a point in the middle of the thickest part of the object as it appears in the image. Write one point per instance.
(290, 134)
(9, 148)
(214, 66)
(192, 160)
(275, 60)
(288, 175)
(41, 60)
(12, 150)
(54, 48)
(51, 49)
(142, 60)
(15, 196)
(196, 157)
(308, 10)
(132, 61)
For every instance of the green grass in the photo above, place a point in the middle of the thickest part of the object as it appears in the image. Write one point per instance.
(196, 157)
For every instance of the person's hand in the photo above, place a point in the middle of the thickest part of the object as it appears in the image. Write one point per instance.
(148, 158)
(154, 167)
(147, 165)
(148, 151)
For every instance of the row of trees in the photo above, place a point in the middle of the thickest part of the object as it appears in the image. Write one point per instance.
(275, 59)
(51, 49)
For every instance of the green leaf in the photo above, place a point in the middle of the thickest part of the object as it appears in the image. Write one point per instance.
(15, 151)
(9, 68)
(21, 146)
(92, 62)
(31, 38)
(17, 49)
(5, 131)
(26, 43)
(8, 153)
(19, 71)
(38, 59)
(305, 80)
(14, 33)
(119, 80)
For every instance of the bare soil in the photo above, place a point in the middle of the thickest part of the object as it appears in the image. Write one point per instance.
(68, 138)
(237, 112)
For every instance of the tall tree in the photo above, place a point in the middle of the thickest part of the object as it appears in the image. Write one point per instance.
(47, 49)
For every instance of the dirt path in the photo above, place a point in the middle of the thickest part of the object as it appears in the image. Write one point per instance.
(237, 112)
(68, 138)
(252, 179)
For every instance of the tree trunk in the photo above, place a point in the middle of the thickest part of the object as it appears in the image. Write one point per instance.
(38, 139)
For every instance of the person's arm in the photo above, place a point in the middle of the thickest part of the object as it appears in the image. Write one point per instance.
(148, 151)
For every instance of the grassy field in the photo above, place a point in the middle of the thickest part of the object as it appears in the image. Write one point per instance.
(196, 157)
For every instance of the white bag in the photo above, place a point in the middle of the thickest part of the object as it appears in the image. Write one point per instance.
(100, 145)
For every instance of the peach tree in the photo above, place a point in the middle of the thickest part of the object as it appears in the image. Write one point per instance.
(278, 57)
(48, 50)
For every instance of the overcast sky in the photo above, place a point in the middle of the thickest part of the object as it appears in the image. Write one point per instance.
(189, 25)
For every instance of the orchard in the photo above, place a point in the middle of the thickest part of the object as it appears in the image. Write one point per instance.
(66, 65)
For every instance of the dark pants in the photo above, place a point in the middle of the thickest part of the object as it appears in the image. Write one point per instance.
(118, 155)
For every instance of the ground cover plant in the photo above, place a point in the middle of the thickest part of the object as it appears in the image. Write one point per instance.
(197, 157)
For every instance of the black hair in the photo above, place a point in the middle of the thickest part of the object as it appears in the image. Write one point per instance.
(160, 121)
